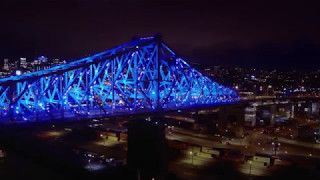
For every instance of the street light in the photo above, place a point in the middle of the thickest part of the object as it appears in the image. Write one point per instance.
(90, 167)
(250, 162)
(191, 153)
(276, 147)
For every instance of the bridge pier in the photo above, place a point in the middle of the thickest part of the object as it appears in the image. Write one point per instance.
(147, 157)
(232, 119)
(11, 107)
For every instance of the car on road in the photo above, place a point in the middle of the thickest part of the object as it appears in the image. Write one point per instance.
(90, 155)
(115, 162)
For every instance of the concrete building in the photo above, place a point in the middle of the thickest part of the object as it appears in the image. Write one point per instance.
(6, 66)
(23, 63)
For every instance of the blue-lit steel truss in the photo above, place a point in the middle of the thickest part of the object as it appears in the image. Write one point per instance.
(140, 76)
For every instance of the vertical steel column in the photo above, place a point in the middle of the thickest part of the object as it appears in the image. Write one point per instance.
(135, 81)
(113, 73)
(87, 89)
(91, 83)
(66, 87)
(11, 107)
(158, 46)
(36, 100)
(61, 94)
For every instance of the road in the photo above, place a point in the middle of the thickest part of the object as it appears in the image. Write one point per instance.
(249, 145)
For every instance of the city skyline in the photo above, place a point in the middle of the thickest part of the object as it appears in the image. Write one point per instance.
(266, 34)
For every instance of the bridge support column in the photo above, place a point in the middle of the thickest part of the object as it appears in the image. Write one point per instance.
(87, 90)
(158, 63)
(11, 107)
(232, 119)
(135, 74)
(113, 84)
(147, 157)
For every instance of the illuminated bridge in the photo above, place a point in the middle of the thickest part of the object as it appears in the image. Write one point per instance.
(143, 75)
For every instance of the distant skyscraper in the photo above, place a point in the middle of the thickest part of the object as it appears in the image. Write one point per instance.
(13, 66)
(41, 63)
(6, 65)
(43, 59)
(23, 62)
(216, 70)
(35, 62)
(55, 61)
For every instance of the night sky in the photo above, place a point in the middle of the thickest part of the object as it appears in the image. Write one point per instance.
(256, 33)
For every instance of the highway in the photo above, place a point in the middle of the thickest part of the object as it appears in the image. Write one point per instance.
(249, 145)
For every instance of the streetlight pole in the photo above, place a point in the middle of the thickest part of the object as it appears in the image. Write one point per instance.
(191, 153)
(250, 167)
(89, 161)
(275, 147)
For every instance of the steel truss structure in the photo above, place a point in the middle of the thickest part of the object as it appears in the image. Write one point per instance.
(141, 75)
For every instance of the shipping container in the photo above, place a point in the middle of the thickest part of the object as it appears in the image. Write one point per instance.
(204, 155)
(112, 138)
(210, 150)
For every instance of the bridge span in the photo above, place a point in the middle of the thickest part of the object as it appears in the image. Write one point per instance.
(143, 75)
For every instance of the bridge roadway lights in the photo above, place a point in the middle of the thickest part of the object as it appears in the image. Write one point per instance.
(141, 75)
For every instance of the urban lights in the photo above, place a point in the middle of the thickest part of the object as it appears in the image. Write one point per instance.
(18, 72)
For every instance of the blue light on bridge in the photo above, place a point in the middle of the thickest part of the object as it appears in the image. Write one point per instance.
(141, 75)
